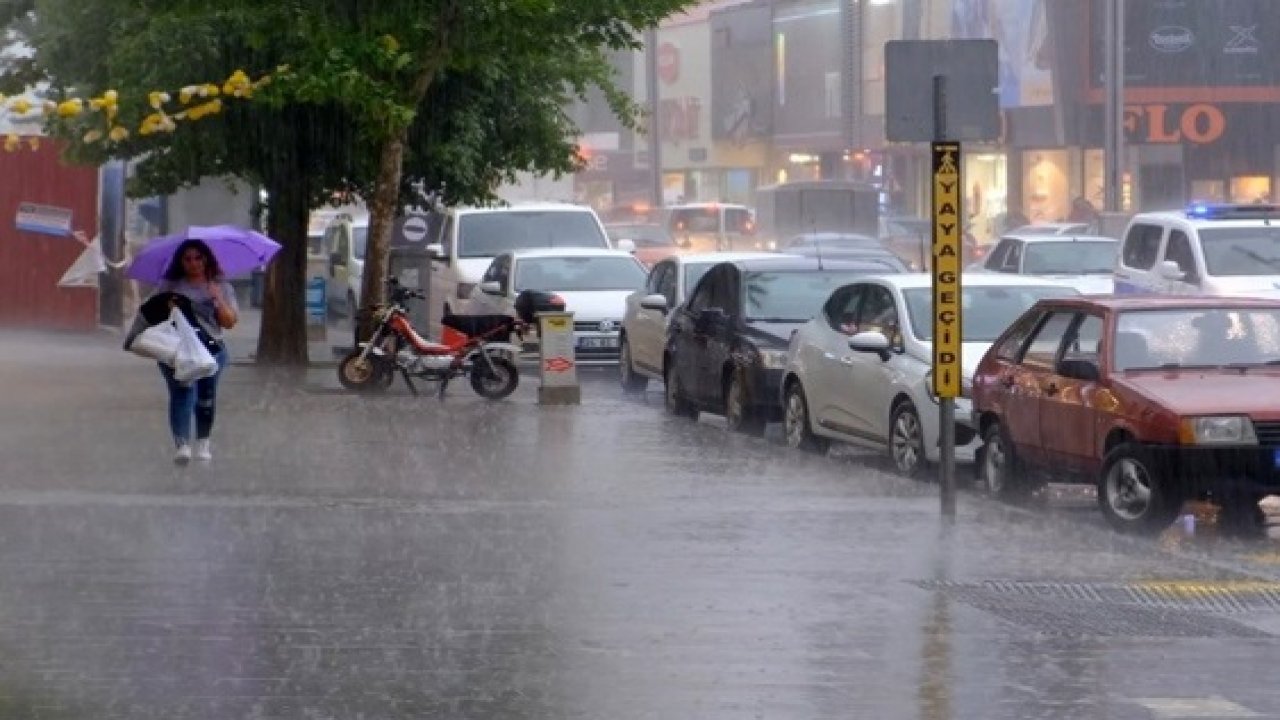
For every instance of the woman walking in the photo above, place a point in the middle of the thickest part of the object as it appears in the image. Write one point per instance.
(194, 274)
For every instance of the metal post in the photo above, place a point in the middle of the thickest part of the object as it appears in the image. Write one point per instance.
(947, 405)
(1114, 41)
(655, 144)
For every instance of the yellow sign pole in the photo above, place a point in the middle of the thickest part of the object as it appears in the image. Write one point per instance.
(948, 247)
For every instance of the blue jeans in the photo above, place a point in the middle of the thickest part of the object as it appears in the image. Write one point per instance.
(198, 399)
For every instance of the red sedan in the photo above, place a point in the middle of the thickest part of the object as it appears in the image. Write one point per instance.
(1154, 400)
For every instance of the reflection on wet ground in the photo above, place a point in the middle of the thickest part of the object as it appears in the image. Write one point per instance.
(347, 557)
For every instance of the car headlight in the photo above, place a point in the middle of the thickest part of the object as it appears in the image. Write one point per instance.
(1217, 430)
(773, 359)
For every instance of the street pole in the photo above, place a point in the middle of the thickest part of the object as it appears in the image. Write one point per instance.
(947, 250)
(655, 145)
(1114, 34)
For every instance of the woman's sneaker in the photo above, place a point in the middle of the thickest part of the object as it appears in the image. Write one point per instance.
(182, 455)
(203, 452)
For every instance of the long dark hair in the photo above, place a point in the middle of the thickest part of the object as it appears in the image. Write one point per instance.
(212, 271)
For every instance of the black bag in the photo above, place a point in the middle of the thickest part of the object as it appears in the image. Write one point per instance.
(531, 302)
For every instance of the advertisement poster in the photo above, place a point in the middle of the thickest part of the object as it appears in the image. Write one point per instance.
(1020, 27)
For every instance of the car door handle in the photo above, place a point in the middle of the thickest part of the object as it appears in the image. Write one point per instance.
(847, 360)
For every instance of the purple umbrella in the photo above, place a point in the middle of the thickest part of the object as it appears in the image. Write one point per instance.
(239, 251)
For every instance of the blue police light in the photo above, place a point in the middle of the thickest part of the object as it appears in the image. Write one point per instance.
(1198, 210)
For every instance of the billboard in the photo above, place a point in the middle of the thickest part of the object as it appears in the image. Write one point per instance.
(742, 74)
(1193, 43)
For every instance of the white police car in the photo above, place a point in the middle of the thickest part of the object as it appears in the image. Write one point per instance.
(1207, 249)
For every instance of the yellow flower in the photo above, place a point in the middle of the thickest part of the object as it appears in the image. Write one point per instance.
(70, 108)
(158, 98)
(21, 106)
(12, 142)
(92, 136)
(212, 107)
(151, 124)
(96, 104)
(119, 134)
(389, 43)
(110, 98)
(186, 93)
(236, 84)
(50, 107)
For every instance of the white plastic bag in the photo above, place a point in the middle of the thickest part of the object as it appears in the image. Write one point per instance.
(193, 360)
(158, 342)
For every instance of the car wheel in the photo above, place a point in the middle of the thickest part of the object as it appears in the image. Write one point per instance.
(1134, 493)
(738, 413)
(796, 425)
(627, 375)
(673, 395)
(1001, 471)
(906, 441)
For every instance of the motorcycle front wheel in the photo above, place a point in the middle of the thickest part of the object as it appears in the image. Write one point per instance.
(497, 382)
(364, 375)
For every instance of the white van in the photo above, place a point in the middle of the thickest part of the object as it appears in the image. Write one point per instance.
(1206, 250)
(471, 237)
(346, 238)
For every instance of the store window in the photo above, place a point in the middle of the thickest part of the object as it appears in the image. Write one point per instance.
(1046, 187)
(1251, 189)
(986, 194)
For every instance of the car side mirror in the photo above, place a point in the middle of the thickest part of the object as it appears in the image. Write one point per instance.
(625, 245)
(435, 251)
(491, 287)
(1076, 369)
(871, 342)
(1169, 270)
(654, 302)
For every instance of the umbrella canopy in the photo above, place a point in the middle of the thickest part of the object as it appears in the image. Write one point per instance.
(238, 250)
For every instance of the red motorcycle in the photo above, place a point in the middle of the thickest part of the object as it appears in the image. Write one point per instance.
(475, 346)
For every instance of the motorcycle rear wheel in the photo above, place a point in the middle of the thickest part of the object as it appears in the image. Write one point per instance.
(496, 383)
(367, 376)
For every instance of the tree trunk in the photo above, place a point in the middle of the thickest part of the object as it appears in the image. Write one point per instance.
(282, 339)
(382, 216)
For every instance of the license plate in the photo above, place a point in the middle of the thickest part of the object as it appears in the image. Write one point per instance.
(597, 343)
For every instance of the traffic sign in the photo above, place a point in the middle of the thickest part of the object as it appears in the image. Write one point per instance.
(947, 252)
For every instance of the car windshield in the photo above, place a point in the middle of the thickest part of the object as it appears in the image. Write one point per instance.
(696, 220)
(579, 273)
(1241, 251)
(1070, 258)
(834, 241)
(487, 234)
(794, 296)
(987, 310)
(1197, 337)
(644, 236)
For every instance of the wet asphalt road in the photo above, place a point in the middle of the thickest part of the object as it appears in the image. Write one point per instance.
(396, 557)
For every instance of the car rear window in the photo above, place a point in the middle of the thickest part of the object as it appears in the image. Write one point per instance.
(488, 234)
